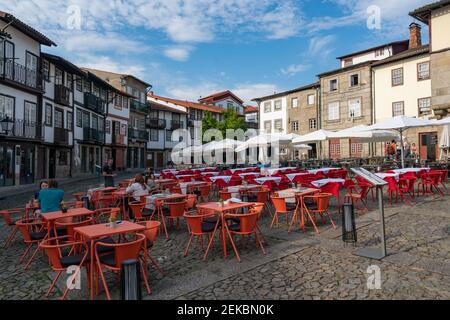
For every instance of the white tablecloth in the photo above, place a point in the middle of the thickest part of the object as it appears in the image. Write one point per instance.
(383, 175)
(407, 170)
(243, 175)
(272, 171)
(277, 180)
(210, 173)
(324, 170)
(226, 179)
(292, 176)
(323, 182)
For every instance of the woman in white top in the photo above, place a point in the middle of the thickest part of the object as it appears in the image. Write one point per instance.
(138, 188)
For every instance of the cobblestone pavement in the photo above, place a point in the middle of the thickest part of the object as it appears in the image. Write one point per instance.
(297, 265)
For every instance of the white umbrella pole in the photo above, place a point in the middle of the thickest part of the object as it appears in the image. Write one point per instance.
(403, 149)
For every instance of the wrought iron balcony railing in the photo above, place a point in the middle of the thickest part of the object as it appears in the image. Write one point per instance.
(20, 128)
(139, 106)
(62, 95)
(93, 135)
(94, 103)
(15, 72)
(61, 136)
(154, 123)
(138, 134)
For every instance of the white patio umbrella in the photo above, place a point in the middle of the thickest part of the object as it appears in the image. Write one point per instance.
(316, 136)
(400, 124)
(302, 147)
(444, 144)
(226, 144)
(363, 135)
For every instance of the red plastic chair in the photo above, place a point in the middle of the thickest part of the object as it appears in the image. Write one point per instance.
(122, 252)
(431, 181)
(356, 194)
(393, 188)
(443, 180)
(332, 188)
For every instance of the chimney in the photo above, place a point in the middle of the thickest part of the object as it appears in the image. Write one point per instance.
(415, 35)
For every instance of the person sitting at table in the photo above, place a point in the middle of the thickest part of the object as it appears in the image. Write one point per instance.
(50, 199)
(42, 185)
(138, 188)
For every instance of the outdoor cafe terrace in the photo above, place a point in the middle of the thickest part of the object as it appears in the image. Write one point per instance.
(204, 226)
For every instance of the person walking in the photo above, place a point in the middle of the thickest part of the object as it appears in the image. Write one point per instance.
(108, 173)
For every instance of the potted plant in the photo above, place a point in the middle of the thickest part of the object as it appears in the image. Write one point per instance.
(113, 219)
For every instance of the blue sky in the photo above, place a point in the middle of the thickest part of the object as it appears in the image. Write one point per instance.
(192, 48)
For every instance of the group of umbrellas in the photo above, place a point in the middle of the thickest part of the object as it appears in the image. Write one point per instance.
(390, 129)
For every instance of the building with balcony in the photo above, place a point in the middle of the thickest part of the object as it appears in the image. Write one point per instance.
(166, 117)
(138, 112)
(252, 117)
(90, 96)
(192, 121)
(21, 90)
(58, 114)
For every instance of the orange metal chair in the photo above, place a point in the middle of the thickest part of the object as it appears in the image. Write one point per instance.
(205, 192)
(33, 233)
(246, 227)
(225, 195)
(11, 223)
(70, 226)
(103, 215)
(74, 204)
(137, 209)
(176, 211)
(79, 195)
(150, 233)
(357, 193)
(59, 263)
(199, 228)
(320, 204)
(280, 209)
(262, 197)
(122, 252)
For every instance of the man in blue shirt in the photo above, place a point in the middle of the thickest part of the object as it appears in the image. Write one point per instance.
(50, 199)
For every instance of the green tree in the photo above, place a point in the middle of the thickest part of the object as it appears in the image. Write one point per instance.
(231, 120)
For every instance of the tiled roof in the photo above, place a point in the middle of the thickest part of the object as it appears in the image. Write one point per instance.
(188, 104)
(26, 29)
(251, 109)
(404, 55)
(121, 75)
(423, 13)
(220, 96)
(61, 62)
(284, 93)
(403, 42)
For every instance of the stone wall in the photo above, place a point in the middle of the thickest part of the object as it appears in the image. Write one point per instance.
(440, 83)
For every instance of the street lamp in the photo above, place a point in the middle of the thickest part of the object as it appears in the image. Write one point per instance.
(7, 125)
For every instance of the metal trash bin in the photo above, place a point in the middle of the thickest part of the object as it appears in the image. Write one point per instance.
(130, 281)
(349, 234)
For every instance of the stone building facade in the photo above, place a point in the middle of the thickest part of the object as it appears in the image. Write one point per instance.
(346, 99)
(303, 112)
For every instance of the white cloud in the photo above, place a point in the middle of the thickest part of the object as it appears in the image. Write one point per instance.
(106, 63)
(178, 53)
(245, 91)
(293, 69)
(320, 46)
